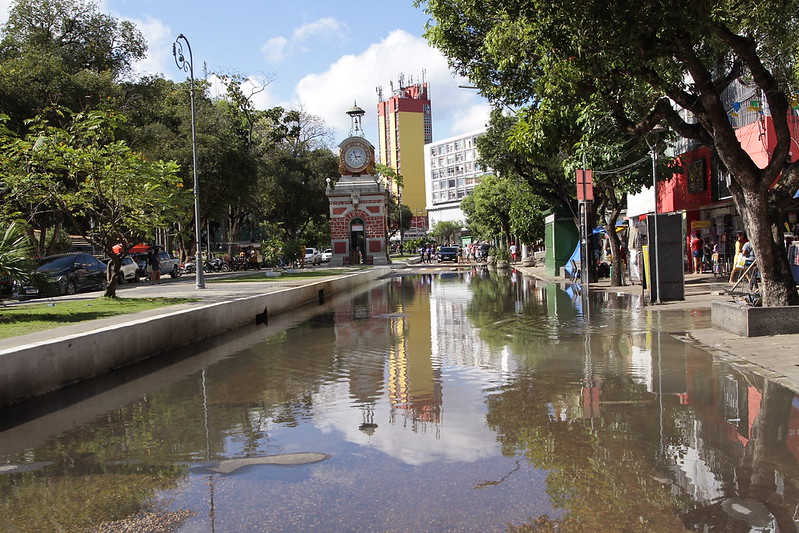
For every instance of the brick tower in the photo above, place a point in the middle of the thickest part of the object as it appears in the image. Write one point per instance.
(357, 202)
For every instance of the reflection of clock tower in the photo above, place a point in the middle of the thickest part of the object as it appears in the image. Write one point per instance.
(357, 202)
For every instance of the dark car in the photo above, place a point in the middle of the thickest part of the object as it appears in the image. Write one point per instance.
(448, 253)
(65, 274)
(6, 286)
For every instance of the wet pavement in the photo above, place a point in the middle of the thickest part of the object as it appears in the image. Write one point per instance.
(776, 357)
(445, 401)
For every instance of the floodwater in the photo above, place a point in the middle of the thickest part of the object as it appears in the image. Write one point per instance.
(469, 401)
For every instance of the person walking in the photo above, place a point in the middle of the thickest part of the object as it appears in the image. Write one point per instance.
(513, 251)
(154, 267)
(697, 249)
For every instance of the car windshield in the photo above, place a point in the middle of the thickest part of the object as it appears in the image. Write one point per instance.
(56, 264)
(308, 251)
(448, 250)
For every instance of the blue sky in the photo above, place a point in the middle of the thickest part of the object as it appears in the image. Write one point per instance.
(318, 55)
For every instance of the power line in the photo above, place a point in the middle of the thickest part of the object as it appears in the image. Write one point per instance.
(624, 168)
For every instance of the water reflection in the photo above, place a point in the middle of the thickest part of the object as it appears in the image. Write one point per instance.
(473, 401)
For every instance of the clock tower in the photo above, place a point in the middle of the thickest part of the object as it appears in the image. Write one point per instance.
(358, 216)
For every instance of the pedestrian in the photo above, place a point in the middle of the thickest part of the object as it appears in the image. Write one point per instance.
(737, 261)
(254, 260)
(697, 249)
(154, 267)
(513, 251)
(460, 254)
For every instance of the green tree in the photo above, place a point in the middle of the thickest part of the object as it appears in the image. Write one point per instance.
(399, 214)
(649, 63)
(447, 231)
(65, 53)
(15, 261)
(487, 208)
(621, 165)
(88, 174)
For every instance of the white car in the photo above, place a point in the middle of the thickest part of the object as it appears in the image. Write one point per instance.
(128, 272)
(312, 256)
(327, 255)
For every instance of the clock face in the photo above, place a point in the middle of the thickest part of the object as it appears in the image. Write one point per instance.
(355, 157)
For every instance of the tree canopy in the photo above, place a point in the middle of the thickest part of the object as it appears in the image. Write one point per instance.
(85, 174)
(647, 63)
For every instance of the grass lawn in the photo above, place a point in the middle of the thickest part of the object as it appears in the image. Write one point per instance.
(298, 274)
(29, 318)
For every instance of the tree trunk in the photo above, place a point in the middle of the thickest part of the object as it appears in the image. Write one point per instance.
(777, 282)
(112, 275)
(616, 262)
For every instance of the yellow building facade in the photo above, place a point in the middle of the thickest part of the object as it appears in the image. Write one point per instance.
(405, 126)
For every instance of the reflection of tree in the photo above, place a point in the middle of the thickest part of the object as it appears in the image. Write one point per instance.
(492, 301)
(111, 468)
(767, 458)
(598, 474)
(69, 502)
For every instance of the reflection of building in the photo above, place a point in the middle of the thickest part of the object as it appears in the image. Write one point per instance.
(405, 126)
(414, 379)
(451, 173)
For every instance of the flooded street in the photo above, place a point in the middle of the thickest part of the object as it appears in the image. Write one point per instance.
(460, 401)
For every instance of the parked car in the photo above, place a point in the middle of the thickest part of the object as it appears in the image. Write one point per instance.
(169, 265)
(448, 253)
(312, 256)
(65, 274)
(327, 255)
(6, 286)
(129, 271)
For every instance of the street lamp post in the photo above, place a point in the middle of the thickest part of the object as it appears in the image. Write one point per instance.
(188, 66)
(653, 244)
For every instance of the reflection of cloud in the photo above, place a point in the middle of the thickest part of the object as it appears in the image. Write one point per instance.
(354, 78)
(460, 439)
(279, 48)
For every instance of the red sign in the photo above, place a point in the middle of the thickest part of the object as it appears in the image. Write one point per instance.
(585, 186)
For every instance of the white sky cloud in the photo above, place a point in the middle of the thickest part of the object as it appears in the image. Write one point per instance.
(355, 78)
(327, 28)
(276, 49)
(159, 39)
(279, 48)
(263, 97)
(471, 118)
(4, 6)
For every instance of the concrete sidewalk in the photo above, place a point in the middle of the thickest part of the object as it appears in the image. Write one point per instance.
(40, 362)
(775, 357)
(216, 290)
(772, 356)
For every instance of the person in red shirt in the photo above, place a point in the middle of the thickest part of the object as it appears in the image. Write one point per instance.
(696, 253)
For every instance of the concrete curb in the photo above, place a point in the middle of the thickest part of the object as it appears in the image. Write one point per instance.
(36, 368)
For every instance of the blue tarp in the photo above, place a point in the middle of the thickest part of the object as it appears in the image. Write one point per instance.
(576, 255)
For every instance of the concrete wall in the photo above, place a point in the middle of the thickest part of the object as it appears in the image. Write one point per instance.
(34, 369)
(748, 321)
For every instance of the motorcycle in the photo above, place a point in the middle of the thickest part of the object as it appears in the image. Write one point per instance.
(216, 265)
(188, 268)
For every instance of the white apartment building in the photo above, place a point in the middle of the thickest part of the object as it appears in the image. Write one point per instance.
(451, 173)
